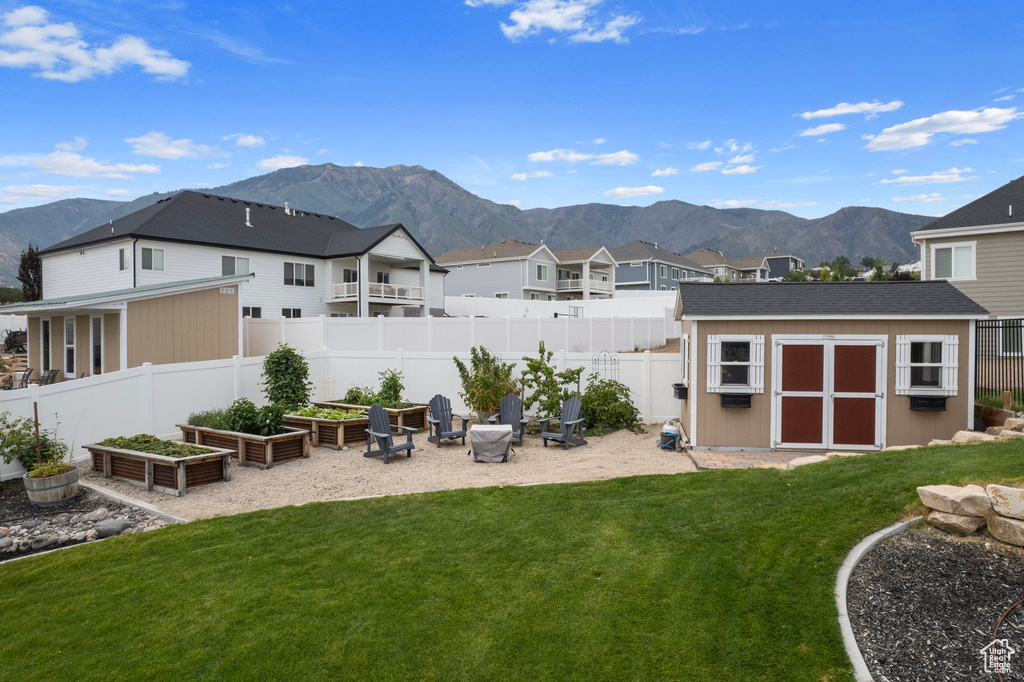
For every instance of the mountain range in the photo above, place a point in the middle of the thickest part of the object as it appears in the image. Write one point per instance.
(442, 216)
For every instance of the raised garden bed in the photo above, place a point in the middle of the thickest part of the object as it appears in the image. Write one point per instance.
(259, 451)
(330, 433)
(172, 475)
(414, 417)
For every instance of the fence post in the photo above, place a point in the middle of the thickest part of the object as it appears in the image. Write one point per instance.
(380, 333)
(238, 375)
(148, 417)
(282, 329)
(400, 359)
(430, 333)
(472, 331)
(592, 349)
(323, 331)
(508, 333)
(647, 387)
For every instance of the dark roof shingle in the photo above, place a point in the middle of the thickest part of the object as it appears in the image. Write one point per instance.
(641, 250)
(991, 209)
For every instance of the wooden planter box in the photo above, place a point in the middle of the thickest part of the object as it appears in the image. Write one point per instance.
(165, 474)
(331, 433)
(259, 451)
(414, 417)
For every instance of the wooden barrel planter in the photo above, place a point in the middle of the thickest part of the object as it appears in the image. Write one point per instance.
(49, 491)
(330, 433)
(259, 451)
(414, 417)
(172, 475)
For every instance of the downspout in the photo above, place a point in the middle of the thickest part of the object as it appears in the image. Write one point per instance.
(359, 287)
(134, 241)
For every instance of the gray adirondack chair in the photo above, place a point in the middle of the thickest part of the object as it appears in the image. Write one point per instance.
(440, 420)
(568, 423)
(380, 430)
(510, 411)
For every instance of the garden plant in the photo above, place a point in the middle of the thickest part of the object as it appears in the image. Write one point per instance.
(548, 388)
(286, 377)
(486, 381)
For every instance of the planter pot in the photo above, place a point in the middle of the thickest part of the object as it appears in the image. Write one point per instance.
(259, 451)
(172, 475)
(414, 417)
(330, 433)
(50, 491)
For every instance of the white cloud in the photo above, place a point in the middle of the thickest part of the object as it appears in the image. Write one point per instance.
(740, 170)
(76, 165)
(622, 158)
(743, 158)
(920, 132)
(577, 18)
(75, 145)
(243, 140)
(559, 155)
(951, 175)
(823, 129)
(612, 30)
(600, 140)
(665, 172)
(962, 142)
(513, 202)
(922, 198)
(732, 203)
(899, 171)
(358, 164)
(709, 166)
(623, 192)
(572, 171)
(788, 204)
(283, 161)
(734, 147)
(20, 194)
(872, 109)
(217, 166)
(118, 192)
(162, 146)
(532, 174)
(28, 40)
(1005, 98)
(325, 150)
(704, 144)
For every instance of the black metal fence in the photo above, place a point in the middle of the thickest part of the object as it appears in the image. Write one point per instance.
(999, 359)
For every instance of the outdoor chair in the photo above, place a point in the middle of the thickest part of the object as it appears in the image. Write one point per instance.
(568, 422)
(510, 411)
(380, 430)
(8, 383)
(441, 421)
(25, 377)
(50, 377)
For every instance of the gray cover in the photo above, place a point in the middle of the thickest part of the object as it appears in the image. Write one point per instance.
(490, 443)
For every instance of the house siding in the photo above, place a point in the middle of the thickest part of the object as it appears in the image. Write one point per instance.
(531, 274)
(635, 278)
(484, 282)
(998, 270)
(70, 273)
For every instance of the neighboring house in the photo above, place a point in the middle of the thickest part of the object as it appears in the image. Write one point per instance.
(779, 263)
(643, 266)
(585, 273)
(508, 269)
(753, 268)
(826, 365)
(303, 264)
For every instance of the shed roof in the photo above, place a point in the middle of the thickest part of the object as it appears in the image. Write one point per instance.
(991, 209)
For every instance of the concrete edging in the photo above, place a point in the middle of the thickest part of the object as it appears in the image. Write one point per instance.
(129, 502)
(860, 667)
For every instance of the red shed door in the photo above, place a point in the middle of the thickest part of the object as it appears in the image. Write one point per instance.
(856, 395)
(801, 395)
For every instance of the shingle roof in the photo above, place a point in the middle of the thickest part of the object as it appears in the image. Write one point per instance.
(567, 255)
(773, 253)
(510, 248)
(641, 250)
(197, 218)
(826, 299)
(708, 257)
(991, 209)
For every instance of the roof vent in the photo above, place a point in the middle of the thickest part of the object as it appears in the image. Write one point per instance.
(286, 210)
(111, 227)
(1011, 210)
(247, 223)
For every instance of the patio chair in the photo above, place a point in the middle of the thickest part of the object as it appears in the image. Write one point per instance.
(568, 422)
(50, 377)
(8, 383)
(510, 411)
(441, 421)
(380, 430)
(25, 377)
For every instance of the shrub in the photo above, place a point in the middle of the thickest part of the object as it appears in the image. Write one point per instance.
(486, 381)
(608, 404)
(549, 388)
(18, 442)
(360, 395)
(210, 419)
(244, 417)
(391, 387)
(286, 377)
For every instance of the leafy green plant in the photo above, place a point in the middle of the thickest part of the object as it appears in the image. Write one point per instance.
(244, 417)
(486, 381)
(391, 387)
(330, 413)
(286, 377)
(210, 419)
(154, 446)
(795, 276)
(548, 387)
(360, 395)
(18, 442)
(608, 404)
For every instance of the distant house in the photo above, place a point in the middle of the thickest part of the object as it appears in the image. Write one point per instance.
(779, 262)
(643, 266)
(585, 273)
(733, 269)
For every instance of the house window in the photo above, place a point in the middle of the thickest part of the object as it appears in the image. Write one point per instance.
(291, 313)
(664, 288)
(953, 261)
(718, 271)
(383, 278)
(69, 347)
(551, 297)
(458, 267)
(234, 265)
(97, 345)
(1011, 337)
(299, 275)
(253, 312)
(45, 345)
(503, 294)
(534, 297)
(663, 270)
(635, 265)
(675, 273)
(349, 276)
(564, 274)
(736, 364)
(542, 273)
(123, 261)
(339, 314)
(152, 259)
(927, 365)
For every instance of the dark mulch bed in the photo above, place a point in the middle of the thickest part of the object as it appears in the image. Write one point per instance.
(15, 507)
(923, 604)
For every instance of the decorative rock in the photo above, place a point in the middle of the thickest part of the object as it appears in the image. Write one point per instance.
(994, 430)
(1006, 501)
(77, 537)
(5, 543)
(111, 527)
(762, 465)
(97, 515)
(1014, 424)
(970, 500)
(92, 534)
(901, 447)
(939, 441)
(62, 538)
(955, 523)
(29, 524)
(800, 461)
(42, 542)
(61, 518)
(1007, 434)
(832, 455)
(964, 437)
(75, 520)
(1009, 531)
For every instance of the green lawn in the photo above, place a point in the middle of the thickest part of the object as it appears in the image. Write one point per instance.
(712, 576)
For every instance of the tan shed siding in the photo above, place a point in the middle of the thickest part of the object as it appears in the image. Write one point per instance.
(35, 343)
(999, 267)
(201, 325)
(111, 342)
(730, 427)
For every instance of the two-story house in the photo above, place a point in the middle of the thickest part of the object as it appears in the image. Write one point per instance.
(779, 262)
(643, 266)
(753, 268)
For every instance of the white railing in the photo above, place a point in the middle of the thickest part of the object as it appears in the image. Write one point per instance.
(346, 290)
(577, 285)
(393, 291)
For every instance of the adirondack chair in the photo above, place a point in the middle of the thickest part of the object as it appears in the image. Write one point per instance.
(568, 422)
(380, 430)
(510, 411)
(25, 377)
(440, 420)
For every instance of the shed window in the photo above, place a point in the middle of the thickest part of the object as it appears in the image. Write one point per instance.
(736, 364)
(926, 365)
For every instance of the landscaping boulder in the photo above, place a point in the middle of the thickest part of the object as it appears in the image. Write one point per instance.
(901, 447)
(97, 515)
(1006, 501)
(1014, 424)
(964, 437)
(971, 500)
(1010, 531)
(939, 441)
(954, 523)
(833, 455)
(111, 527)
(811, 459)
(1007, 434)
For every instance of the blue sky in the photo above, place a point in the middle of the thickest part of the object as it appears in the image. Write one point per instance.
(803, 106)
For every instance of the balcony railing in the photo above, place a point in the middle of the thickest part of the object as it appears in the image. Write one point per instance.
(391, 291)
(577, 285)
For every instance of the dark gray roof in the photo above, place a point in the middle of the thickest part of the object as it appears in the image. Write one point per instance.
(826, 299)
(991, 209)
(641, 250)
(196, 218)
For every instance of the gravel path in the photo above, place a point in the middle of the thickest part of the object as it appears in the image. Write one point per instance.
(330, 474)
(923, 604)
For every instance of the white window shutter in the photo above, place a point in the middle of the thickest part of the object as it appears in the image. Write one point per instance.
(950, 364)
(714, 365)
(902, 365)
(757, 364)
(684, 350)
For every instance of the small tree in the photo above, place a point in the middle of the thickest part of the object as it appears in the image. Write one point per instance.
(11, 295)
(608, 404)
(795, 276)
(549, 388)
(286, 377)
(486, 381)
(30, 274)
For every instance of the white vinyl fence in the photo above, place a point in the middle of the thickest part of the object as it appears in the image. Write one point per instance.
(625, 304)
(12, 323)
(153, 399)
(512, 335)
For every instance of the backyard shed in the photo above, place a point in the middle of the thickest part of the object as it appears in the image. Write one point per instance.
(826, 365)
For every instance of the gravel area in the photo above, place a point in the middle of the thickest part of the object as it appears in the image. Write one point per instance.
(924, 603)
(330, 474)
